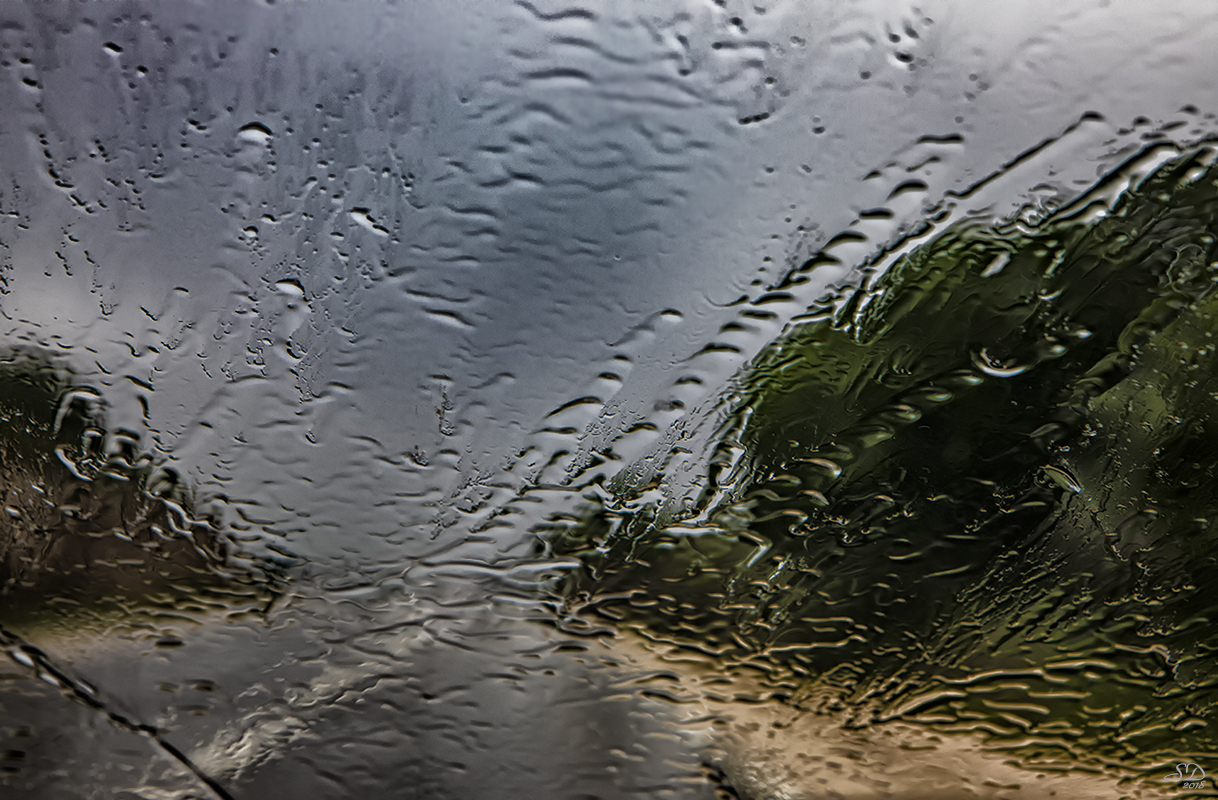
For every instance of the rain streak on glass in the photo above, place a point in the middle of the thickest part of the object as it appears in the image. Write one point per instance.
(688, 400)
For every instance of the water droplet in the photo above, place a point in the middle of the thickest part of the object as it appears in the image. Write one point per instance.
(254, 133)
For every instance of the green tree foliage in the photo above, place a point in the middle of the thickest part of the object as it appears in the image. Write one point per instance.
(983, 493)
(92, 526)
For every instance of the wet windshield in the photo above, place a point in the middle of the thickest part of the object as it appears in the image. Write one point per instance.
(689, 400)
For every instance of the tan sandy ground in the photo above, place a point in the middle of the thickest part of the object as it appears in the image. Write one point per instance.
(772, 751)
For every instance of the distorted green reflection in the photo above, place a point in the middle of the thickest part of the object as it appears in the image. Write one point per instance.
(978, 494)
(94, 527)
